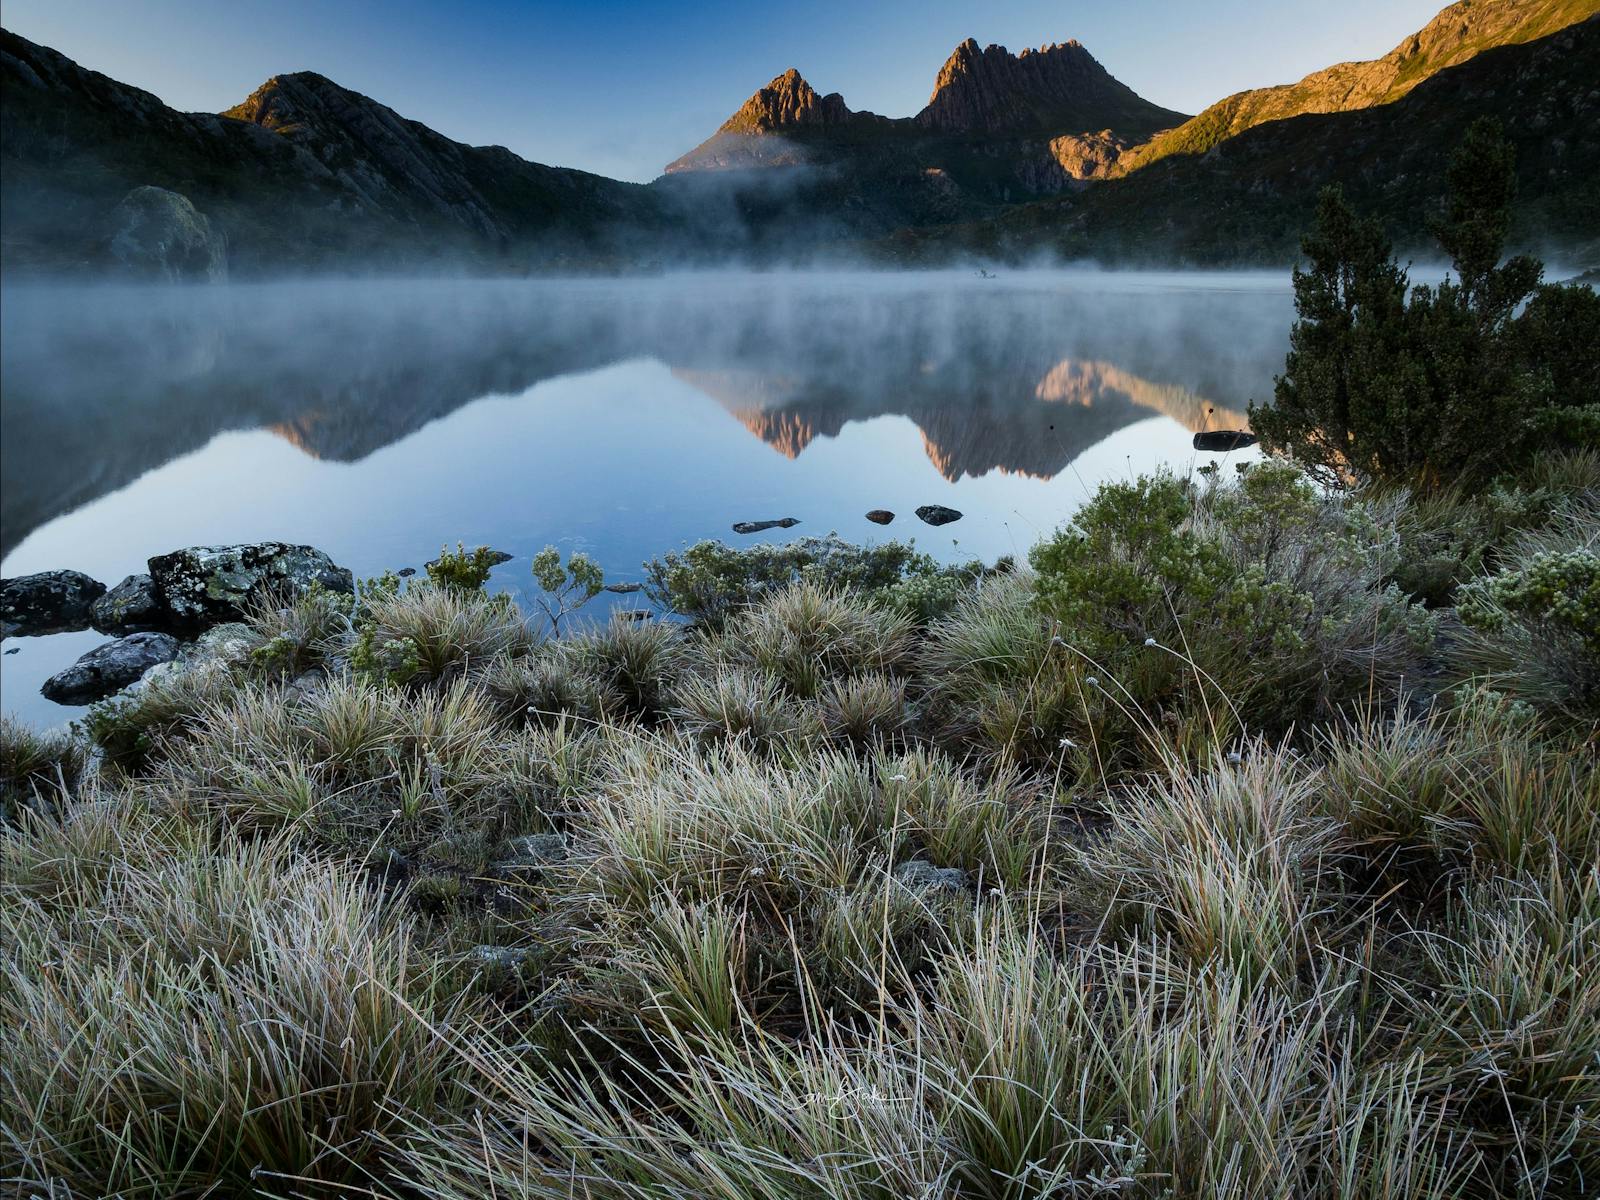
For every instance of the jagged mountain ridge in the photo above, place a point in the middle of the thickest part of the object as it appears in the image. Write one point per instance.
(980, 94)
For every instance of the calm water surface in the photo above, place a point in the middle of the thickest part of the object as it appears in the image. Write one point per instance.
(379, 420)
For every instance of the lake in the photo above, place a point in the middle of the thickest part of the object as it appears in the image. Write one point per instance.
(622, 417)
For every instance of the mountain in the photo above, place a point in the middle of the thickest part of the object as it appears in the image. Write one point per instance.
(302, 173)
(1252, 195)
(1456, 34)
(1052, 90)
(998, 126)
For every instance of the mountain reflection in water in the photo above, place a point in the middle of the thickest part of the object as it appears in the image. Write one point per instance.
(380, 419)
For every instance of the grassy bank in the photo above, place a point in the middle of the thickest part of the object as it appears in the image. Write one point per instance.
(1243, 845)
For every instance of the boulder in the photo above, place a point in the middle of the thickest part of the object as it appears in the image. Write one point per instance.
(204, 585)
(938, 514)
(110, 668)
(760, 526)
(880, 516)
(49, 602)
(624, 589)
(132, 606)
(1222, 440)
(924, 876)
(158, 234)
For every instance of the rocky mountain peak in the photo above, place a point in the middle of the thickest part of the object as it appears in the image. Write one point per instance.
(1057, 88)
(787, 102)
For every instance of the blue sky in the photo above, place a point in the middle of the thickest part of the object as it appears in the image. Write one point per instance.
(623, 88)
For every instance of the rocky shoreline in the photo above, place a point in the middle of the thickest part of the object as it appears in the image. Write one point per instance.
(160, 616)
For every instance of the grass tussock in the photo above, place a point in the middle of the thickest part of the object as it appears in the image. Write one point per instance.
(1209, 857)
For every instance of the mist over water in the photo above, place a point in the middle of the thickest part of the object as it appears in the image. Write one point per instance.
(623, 417)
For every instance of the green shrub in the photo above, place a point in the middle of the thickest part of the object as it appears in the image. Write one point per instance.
(565, 590)
(462, 569)
(1255, 604)
(1450, 387)
(710, 579)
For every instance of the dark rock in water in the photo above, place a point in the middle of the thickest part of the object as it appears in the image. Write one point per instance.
(158, 234)
(15, 650)
(1223, 440)
(924, 876)
(203, 585)
(133, 605)
(49, 602)
(110, 668)
(880, 516)
(624, 589)
(938, 514)
(760, 526)
(406, 572)
(634, 614)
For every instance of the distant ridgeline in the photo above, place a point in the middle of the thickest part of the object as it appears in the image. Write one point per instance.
(1013, 154)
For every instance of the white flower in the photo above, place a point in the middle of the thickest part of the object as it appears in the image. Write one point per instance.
(1091, 681)
(1067, 743)
(1149, 641)
(897, 779)
(394, 812)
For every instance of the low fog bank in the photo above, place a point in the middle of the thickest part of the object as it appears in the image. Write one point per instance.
(116, 379)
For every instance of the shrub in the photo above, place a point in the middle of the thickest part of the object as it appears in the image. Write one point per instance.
(1258, 603)
(463, 570)
(565, 590)
(1452, 387)
(709, 580)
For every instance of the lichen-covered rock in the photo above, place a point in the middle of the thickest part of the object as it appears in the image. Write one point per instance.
(132, 606)
(49, 602)
(204, 585)
(110, 668)
(159, 234)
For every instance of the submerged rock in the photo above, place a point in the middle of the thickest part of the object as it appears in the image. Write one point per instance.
(1223, 439)
(624, 589)
(880, 516)
(110, 668)
(761, 526)
(49, 602)
(132, 606)
(938, 514)
(156, 233)
(203, 585)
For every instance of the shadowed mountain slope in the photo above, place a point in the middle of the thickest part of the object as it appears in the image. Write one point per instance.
(303, 172)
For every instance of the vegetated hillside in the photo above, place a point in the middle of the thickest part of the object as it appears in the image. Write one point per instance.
(304, 172)
(1455, 35)
(1250, 197)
